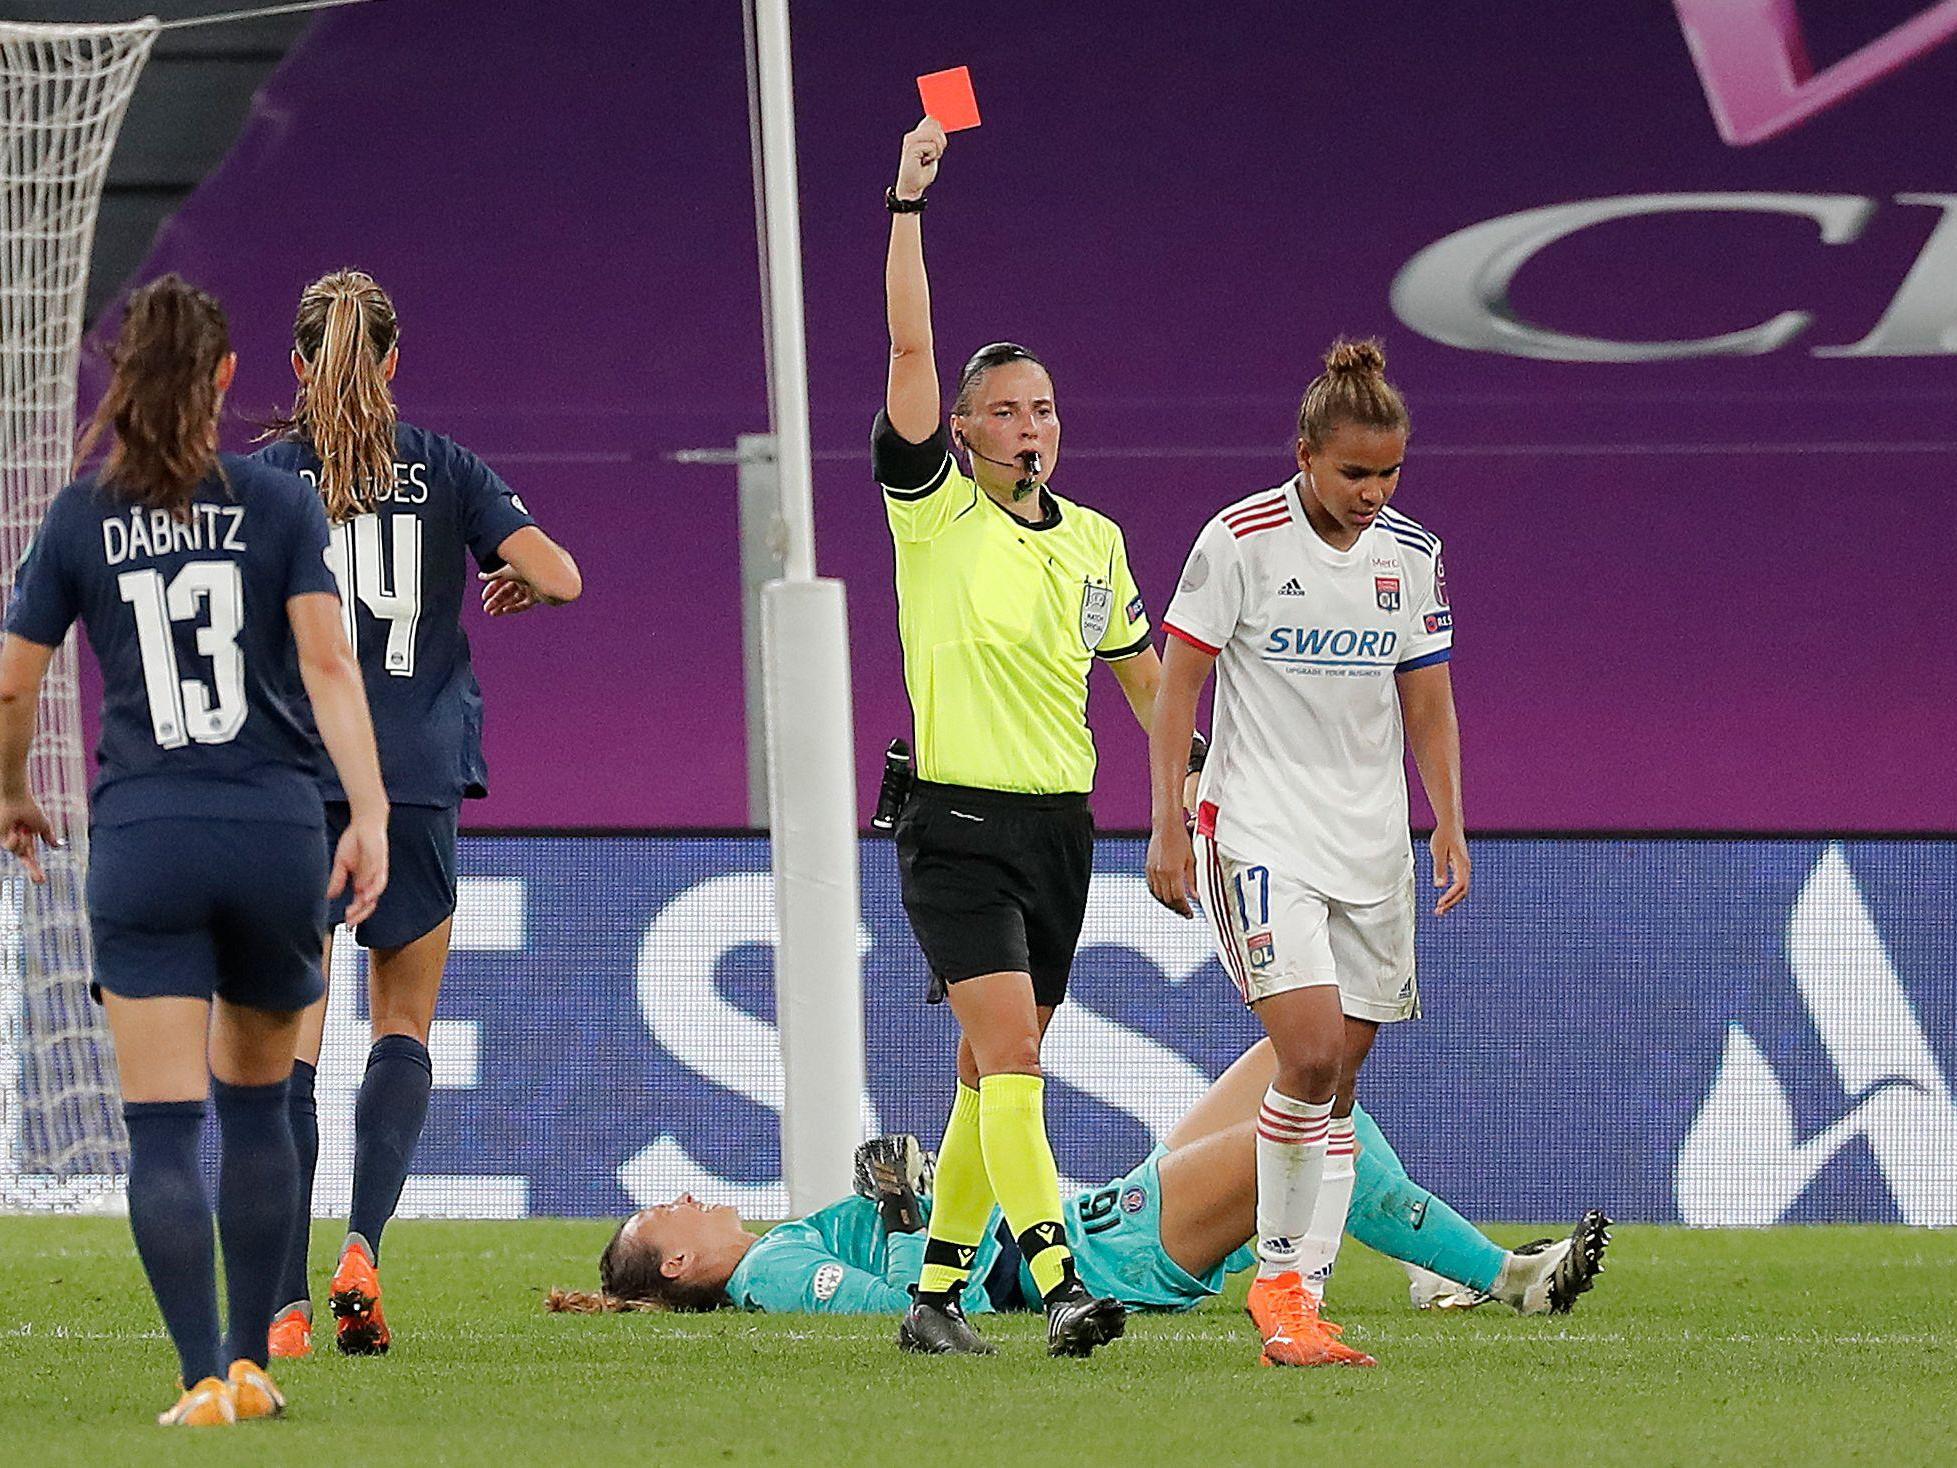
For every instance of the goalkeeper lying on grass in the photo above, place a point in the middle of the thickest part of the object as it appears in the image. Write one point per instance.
(1161, 1238)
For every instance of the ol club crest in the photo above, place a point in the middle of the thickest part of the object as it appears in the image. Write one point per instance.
(1386, 591)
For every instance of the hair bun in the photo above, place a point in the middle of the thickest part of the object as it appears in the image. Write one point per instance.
(1367, 358)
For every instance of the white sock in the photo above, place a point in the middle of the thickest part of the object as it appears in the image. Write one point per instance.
(1320, 1249)
(1290, 1163)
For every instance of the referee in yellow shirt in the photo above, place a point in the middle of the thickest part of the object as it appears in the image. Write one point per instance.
(1006, 596)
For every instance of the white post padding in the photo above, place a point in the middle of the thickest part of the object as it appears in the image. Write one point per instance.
(812, 815)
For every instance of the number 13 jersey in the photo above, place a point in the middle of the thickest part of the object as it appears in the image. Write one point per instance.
(403, 573)
(203, 713)
(1308, 773)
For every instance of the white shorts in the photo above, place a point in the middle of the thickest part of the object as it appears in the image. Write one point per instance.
(1275, 933)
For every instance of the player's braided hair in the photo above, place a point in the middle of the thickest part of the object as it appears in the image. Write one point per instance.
(1352, 389)
(630, 1278)
(162, 401)
(345, 328)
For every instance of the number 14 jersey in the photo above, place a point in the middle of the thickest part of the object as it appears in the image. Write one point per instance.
(403, 574)
(1308, 771)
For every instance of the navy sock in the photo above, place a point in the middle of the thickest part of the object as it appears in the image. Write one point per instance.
(387, 1120)
(170, 1216)
(304, 1111)
(257, 1194)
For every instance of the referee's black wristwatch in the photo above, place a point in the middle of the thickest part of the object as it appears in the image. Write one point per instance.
(904, 206)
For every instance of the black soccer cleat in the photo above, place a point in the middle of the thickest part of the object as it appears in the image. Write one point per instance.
(1077, 1324)
(940, 1330)
(1578, 1269)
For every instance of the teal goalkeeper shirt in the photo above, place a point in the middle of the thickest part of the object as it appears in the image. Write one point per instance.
(839, 1261)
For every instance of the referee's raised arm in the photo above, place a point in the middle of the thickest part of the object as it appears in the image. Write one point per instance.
(911, 395)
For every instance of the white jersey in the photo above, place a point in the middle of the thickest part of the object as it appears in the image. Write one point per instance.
(1307, 771)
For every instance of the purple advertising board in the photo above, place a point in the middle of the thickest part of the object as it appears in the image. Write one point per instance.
(1668, 293)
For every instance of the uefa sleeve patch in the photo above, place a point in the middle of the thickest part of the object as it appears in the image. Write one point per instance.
(1136, 611)
(1441, 621)
(828, 1279)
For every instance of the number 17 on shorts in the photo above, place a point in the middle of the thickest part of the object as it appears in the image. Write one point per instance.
(1274, 934)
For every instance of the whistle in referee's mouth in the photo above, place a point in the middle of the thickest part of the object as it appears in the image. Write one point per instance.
(1029, 460)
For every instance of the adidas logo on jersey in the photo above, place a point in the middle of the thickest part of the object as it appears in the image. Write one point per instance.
(1291, 588)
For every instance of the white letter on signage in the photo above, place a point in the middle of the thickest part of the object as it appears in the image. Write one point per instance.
(1922, 320)
(1456, 290)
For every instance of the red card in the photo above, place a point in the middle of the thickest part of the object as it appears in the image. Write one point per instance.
(948, 96)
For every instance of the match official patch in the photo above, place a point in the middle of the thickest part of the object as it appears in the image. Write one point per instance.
(1136, 611)
(1096, 607)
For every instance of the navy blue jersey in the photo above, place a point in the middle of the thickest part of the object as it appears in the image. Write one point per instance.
(203, 711)
(403, 577)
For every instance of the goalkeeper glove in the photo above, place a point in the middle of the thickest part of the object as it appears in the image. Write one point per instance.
(889, 1171)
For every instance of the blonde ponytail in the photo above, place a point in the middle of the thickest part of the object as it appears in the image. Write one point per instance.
(1352, 389)
(345, 328)
(595, 1302)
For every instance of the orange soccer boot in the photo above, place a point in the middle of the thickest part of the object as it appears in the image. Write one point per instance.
(355, 1297)
(292, 1333)
(253, 1395)
(1286, 1316)
(207, 1404)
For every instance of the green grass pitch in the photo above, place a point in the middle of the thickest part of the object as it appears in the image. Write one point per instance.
(1787, 1346)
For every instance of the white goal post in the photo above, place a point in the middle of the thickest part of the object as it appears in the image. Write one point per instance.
(63, 92)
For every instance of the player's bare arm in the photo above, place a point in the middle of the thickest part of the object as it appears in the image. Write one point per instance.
(24, 826)
(911, 394)
(1171, 858)
(1139, 677)
(339, 699)
(536, 571)
(1434, 736)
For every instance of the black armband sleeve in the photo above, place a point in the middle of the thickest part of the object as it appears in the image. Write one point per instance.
(905, 469)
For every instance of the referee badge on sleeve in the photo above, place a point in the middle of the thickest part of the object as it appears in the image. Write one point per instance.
(1096, 607)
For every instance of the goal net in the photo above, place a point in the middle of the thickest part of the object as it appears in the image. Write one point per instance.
(63, 91)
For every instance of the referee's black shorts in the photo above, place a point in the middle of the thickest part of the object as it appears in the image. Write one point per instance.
(996, 882)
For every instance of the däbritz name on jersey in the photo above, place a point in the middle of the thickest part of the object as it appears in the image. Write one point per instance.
(150, 533)
(1346, 643)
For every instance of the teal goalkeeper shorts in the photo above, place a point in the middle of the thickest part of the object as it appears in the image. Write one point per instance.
(1116, 1235)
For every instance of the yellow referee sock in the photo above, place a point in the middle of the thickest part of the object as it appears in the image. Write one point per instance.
(1012, 1127)
(961, 1204)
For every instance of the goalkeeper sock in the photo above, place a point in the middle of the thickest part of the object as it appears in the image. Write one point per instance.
(1290, 1171)
(1012, 1129)
(1319, 1250)
(257, 1194)
(303, 1110)
(960, 1206)
(170, 1215)
(387, 1118)
(1395, 1215)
